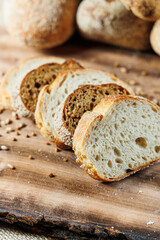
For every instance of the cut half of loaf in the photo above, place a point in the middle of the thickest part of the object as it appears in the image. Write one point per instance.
(119, 137)
(52, 96)
(10, 86)
(76, 104)
(35, 80)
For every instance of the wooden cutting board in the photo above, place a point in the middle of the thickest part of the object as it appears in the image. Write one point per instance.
(71, 205)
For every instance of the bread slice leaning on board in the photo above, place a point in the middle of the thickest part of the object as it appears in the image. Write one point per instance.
(36, 79)
(10, 86)
(76, 104)
(52, 96)
(119, 137)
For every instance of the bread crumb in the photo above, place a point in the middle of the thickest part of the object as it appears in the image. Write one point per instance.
(9, 129)
(140, 191)
(123, 70)
(27, 136)
(17, 133)
(4, 148)
(132, 82)
(116, 65)
(15, 115)
(57, 149)
(40, 150)
(150, 223)
(51, 175)
(2, 109)
(47, 143)
(155, 100)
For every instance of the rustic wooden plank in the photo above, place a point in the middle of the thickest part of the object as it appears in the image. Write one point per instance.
(72, 202)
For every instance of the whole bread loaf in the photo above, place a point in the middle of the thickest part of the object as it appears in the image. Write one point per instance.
(110, 22)
(119, 137)
(40, 23)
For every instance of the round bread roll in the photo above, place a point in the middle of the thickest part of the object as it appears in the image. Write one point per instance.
(145, 9)
(110, 22)
(40, 23)
(155, 37)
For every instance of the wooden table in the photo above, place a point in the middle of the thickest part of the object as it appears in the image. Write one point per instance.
(72, 205)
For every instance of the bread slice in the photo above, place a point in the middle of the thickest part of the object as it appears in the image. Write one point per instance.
(35, 80)
(52, 96)
(10, 86)
(76, 104)
(119, 137)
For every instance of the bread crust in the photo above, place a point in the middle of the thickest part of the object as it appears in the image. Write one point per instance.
(46, 132)
(110, 22)
(6, 98)
(40, 23)
(63, 136)
(82, 131)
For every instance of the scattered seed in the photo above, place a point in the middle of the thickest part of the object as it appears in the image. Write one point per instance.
(116, 65)
(40, 150)
(8, 121)
(123, 70)
(15, 115)
(9, 130)
(144, 73)
(27, 136)
(51, 175)
(65, 160)
(30, 157)
(2, 109)
(4, 148)
(47, 143)
(22, 125)
(17, 133)
(33, 134)
(132, 82)
(14, 139)
(11, 166)
(155, 101)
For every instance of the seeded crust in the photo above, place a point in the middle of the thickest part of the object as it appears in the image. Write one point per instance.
(91, 119)
(35, 80)
(48, 97)
(77, 103)
(10, 84)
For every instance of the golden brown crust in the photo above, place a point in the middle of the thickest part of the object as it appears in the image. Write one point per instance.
(82, 130)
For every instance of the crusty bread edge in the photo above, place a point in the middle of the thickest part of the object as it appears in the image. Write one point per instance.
(83, 128)
(60, 127)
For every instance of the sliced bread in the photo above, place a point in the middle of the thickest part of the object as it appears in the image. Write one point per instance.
(119, 137)
(35, 80)
(10, 86)
(76, 104)
(52, 96)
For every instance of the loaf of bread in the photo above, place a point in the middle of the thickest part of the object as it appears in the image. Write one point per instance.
(119, 137)
(145, 9)
(155, 37)
(10, 86)
(52, 96)
(110, 22)
(35, 80)
(40, 23)
(76, 104)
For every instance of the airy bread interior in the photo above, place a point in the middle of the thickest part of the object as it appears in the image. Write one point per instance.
(85, 99)
(38, 78)
(125, 140)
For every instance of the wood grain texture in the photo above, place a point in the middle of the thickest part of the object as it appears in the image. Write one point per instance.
(71, 205)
